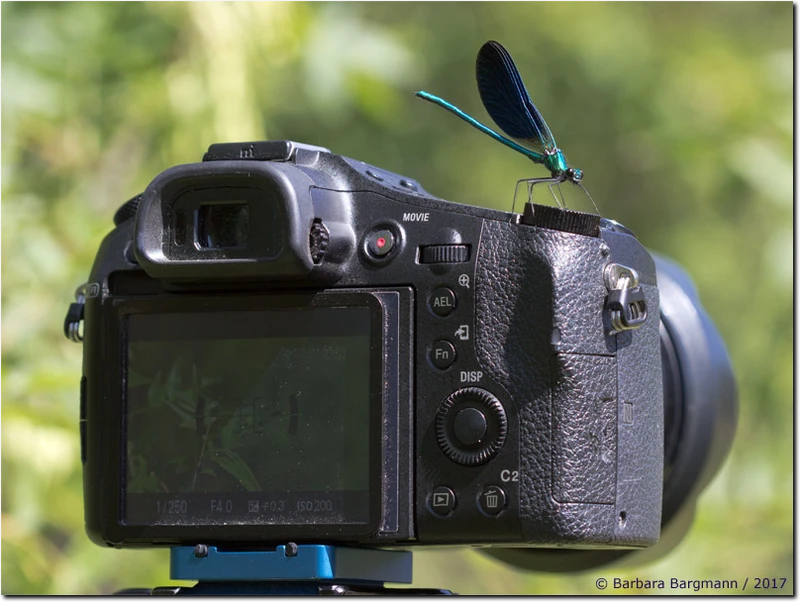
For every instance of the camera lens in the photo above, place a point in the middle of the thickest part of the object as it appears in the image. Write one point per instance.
(223, 225)
(700, 403)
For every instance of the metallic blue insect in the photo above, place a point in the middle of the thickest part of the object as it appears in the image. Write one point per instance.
(508, 103)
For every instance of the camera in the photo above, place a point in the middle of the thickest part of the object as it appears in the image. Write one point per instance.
(285, 344)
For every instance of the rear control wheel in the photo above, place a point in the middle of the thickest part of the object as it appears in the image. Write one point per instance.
(471, 426)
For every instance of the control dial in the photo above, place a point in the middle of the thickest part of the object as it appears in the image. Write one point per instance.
(471, 426)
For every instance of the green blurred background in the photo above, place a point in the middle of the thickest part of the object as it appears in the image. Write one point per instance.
(679, 113)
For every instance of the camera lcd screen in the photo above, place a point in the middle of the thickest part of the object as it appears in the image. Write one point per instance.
(248, 417)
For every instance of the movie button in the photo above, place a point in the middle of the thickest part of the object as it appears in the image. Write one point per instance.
(492, 500)
(442, 501)
(380, 243)
(442, 301)
(442, 354)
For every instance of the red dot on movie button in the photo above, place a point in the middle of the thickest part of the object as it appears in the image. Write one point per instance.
(380, 243)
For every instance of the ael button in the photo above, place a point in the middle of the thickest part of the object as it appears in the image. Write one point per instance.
(442, 301)
(444, 254)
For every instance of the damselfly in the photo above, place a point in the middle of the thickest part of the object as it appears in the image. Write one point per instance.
(510, 106)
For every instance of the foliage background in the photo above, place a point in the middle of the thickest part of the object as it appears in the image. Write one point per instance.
(680, 114)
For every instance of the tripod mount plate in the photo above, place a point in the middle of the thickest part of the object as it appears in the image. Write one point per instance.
(291, 563)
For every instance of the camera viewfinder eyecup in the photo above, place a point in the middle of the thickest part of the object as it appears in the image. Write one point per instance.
(235, 220)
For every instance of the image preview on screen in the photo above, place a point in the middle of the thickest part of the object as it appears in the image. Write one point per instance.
(226, 405)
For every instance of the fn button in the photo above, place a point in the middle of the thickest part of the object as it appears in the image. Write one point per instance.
(442, 354)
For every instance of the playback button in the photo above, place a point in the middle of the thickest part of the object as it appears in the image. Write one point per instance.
(441, 501)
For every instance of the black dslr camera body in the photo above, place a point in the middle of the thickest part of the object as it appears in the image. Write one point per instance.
(284, 344)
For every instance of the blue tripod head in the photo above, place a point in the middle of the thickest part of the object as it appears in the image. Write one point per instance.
(290, 569)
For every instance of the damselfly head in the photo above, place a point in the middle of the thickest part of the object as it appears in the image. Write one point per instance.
(574, 175)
